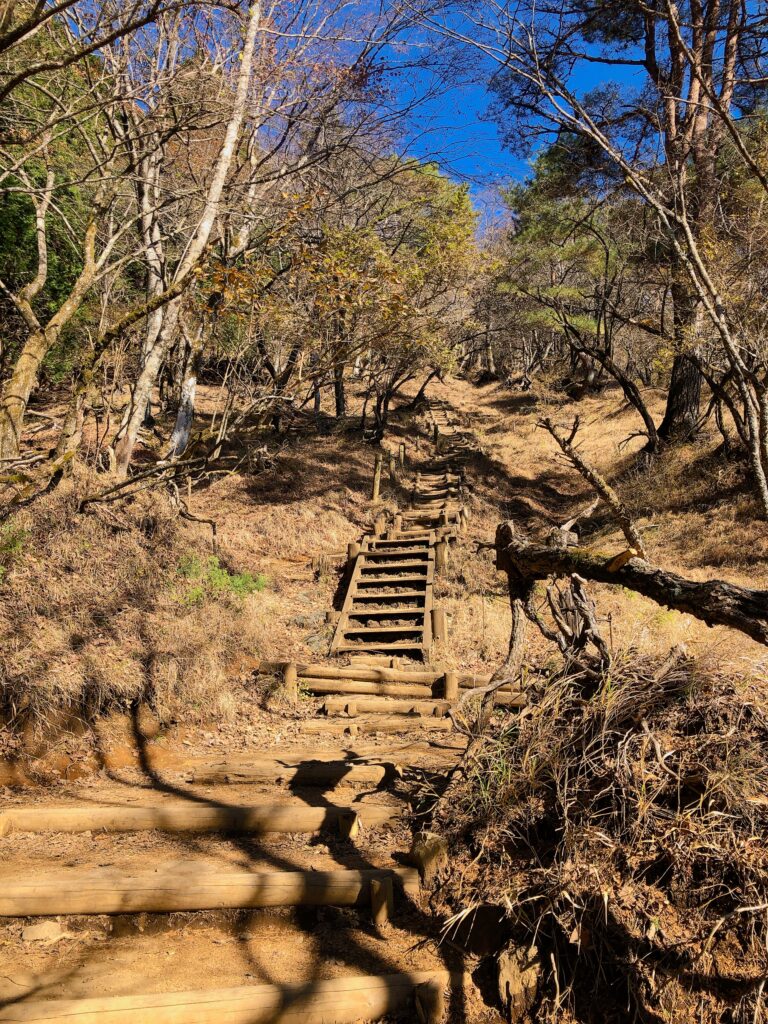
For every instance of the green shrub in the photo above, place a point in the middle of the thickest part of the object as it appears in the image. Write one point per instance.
(212, 579)
(12, 540)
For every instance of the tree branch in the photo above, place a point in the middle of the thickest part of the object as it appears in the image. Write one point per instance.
(715, 602)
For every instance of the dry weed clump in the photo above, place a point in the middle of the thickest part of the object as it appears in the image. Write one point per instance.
(98, 614)
(624, 831)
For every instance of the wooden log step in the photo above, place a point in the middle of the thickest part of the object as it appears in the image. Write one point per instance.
(401, 647)
(385, 706)
(187, 816)
(376, 674)
(404, 598)
(371, 675)
(421, 514)
(367, 631)
(327, 774)
(387, 613)
(396, 554)
(409, 578)
(366, 727)
(410, 565)
(188, 886)
(348, 999)
(329, 686)
(372, 659)
(386, 544)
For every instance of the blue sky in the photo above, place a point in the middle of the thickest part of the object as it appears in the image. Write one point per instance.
(458, 130)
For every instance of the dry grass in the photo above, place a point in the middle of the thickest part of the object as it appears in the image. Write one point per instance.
(100, 615)
(623, 830)
(693, 506)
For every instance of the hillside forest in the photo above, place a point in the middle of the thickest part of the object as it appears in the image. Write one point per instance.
(254, 308)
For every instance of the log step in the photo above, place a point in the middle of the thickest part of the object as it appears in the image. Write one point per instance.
(395, 543)
(398, 581)
(366, 631)
(386, 613)
(327, 774)
(396, 646)
(189, 886)
(345, 1000)
(376, 674)
(185, 816)
(385, 706)
(365, 727)
(404, 566)
(374, 555)
(342, 686)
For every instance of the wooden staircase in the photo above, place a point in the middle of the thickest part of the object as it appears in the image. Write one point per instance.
(388, 604)
(389, 607)
(227, 836)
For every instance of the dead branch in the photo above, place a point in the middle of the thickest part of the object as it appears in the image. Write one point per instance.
(597, 482)
(715, 602)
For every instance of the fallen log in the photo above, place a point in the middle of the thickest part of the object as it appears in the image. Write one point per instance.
(715, 602)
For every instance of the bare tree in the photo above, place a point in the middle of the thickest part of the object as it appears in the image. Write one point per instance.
(690, 56)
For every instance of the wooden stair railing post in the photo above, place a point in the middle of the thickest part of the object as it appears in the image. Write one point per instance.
(382, 900)
(376, 478)
(439, 624)
(451, 686)
(441, 556)
(430, 1002)
(291, 682)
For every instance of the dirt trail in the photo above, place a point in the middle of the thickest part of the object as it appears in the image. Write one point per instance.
(274, 887)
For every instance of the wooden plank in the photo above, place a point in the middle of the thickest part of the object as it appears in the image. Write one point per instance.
(374, 674)
(385, 705)
(395, 646)
(415, 628)
(377, 555)
(344, 1000)
(389, 581)
(392, 566)
(327, 774)
(346, 686)
(387, 613)
(361, 726)
(188, 886)
(185, 816)
(371, 675)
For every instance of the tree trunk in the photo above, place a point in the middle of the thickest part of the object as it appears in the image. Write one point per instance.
(194, 250)
(339, 391)
(186, 410)
(681, 417)
(17, 391)
(142, 390)
(490, 362)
